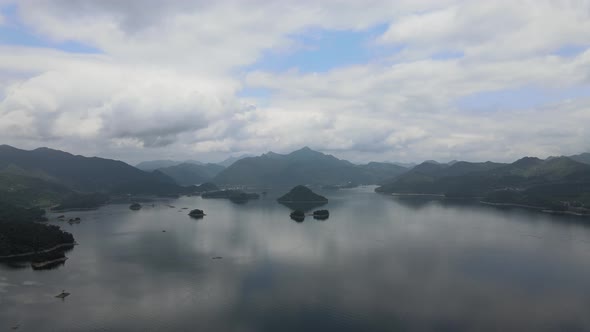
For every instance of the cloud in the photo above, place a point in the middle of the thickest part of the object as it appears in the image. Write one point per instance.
(494, 29)
(167, 78)
(100, 99)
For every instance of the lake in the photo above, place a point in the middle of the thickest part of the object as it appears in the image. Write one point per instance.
(379, 263)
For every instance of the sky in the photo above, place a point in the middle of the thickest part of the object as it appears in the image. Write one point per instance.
(405, 81)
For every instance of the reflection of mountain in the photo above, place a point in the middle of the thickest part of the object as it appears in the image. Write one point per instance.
(304, 166)
(303, 206)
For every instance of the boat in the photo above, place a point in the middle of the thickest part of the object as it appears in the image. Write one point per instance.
(62, 295)
(135, 206)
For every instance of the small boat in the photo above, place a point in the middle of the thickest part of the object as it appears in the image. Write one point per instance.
(135, 206)
(62, 295)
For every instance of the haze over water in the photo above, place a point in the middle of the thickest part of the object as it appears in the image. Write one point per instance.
(379, 263)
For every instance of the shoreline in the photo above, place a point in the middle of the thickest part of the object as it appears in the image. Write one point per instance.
(514, 205)
(23, 255)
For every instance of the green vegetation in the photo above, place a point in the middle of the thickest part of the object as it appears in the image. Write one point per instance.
(82, 201)
(20, 234)
(297, 215)
(304, 166)
(83, 174)
(555, 183)
(321, 214)
(302, 194)
(190, 174)
(28, 191)
(197, 213)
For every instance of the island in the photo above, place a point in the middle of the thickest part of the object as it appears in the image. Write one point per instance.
(302, 194)
(196, 213)
(298, 215)
(321, 214)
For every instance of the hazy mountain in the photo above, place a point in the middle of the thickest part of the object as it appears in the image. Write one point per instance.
(87, 174)
(404, 165)
(534, 180)
(304, 166)
(231, 160)
(377, 173)
(156, 164)
(189, 174)
(582, 157)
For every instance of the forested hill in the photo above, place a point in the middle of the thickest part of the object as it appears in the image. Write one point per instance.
(304, 166)
(528, 180)
(88, 174)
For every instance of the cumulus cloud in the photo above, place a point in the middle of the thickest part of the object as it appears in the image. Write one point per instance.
(166, 79)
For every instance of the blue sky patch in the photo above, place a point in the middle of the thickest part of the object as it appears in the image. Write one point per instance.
(14, 33)
(321, 50)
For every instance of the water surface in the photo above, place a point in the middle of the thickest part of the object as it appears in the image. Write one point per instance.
(379, 263)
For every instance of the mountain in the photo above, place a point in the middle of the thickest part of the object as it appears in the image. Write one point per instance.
(25, 191)
(404, 165)
(153, 165)
(526, 181)
(301, 194)
(84, 174)
(302, 166)
(231, 160)
(189, 174)
(375, 172)
(582, 157)
(20, 234)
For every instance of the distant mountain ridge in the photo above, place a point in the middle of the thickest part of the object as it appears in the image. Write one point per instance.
(303, 166)
(582, 157)
(79, 173)
(231, 160)
(529, 180)
(152, 165)
(190, 174)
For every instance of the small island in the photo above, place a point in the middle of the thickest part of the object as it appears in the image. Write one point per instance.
(302, 194)
(196, 213)
(321, 214)
(298, 215)
(135, 206)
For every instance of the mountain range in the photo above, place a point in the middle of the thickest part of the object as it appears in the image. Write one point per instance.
(46, 172)
(304, 166)
(189, 174)
(528, 181)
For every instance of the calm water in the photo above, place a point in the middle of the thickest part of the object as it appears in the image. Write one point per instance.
(378, 264)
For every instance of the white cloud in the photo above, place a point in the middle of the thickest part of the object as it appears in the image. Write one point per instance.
(169, 74)
(494, 28)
